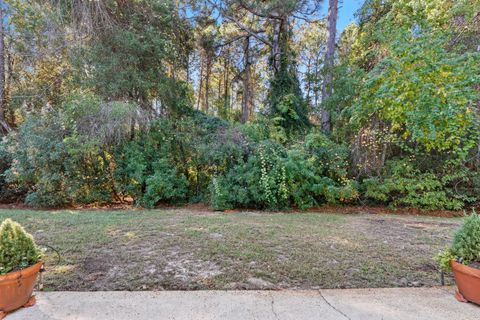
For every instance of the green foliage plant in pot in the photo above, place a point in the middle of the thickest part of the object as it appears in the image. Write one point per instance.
(20, 263)
(463, 258)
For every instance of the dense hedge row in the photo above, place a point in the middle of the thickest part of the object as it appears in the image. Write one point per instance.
(49, 162)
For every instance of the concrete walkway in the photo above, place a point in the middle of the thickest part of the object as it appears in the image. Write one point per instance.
(368, 304)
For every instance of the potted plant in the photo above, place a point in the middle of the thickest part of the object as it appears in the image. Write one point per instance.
(463, 258)
(20, 262)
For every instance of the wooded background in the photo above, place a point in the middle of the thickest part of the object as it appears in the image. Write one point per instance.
(240, 103)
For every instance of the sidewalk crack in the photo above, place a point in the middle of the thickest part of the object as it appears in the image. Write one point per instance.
(331, 306)
(273, 307)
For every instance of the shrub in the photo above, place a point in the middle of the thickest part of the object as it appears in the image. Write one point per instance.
(17, 248)
(276, 177)
(330, 160)
(196, 147)
(404, 185)
(317, 172)
(40, 155)
(259, 182)
(465, 247)
(56, 165)
(145, 164)
(9, 192)
(166, 184)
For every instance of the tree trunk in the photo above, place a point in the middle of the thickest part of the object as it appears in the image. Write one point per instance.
(276, 46)
(226, 75)
(188, 68)
(478, 120)
(315, 90)
(246, 81)
(279, 43)
(4, 126)
(329, 61)
(220, 87)
(200, 84)
(309, 82)
(207, 83)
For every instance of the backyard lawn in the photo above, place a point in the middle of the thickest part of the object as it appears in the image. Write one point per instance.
(195, 249)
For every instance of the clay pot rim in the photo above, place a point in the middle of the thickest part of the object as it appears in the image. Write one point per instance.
(458, 267)
(14, 275)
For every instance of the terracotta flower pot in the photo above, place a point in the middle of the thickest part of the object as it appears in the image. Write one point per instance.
(16, 289)
(468, 282)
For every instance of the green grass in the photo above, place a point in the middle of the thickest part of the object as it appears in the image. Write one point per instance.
(182, 249)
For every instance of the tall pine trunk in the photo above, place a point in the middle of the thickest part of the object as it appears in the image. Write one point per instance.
(246, 81)
(226, 84)
(329, 62)
(200, 85)
(4, 126)
(478, 120)
(207, 83)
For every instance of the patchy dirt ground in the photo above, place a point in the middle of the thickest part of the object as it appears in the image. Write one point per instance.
(195, 249)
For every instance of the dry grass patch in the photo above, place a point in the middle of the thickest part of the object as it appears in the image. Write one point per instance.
(183, 249)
